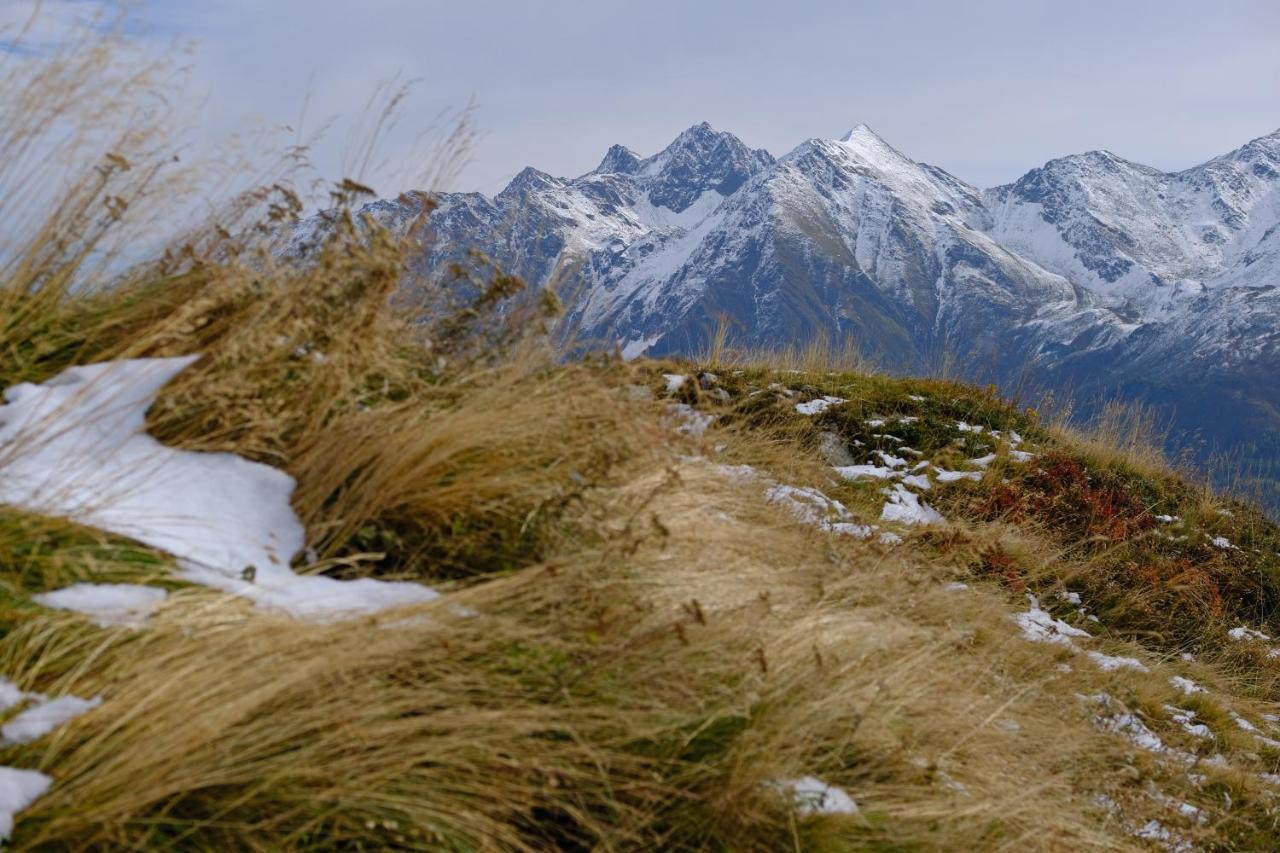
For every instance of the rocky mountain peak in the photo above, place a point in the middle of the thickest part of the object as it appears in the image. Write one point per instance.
(619, 159)
(700, 159)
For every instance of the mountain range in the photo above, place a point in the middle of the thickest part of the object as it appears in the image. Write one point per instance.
(1093, 277)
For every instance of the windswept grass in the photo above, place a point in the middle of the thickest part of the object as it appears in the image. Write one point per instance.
(635, 648)
(1120, 433)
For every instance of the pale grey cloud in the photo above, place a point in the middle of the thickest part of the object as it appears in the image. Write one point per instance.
(986, 90)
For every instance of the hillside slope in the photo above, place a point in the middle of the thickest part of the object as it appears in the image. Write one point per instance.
(696, 606)
(285, 566)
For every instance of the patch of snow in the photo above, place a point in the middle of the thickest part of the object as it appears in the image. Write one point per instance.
(1167, 519)
(674, 381)
(983, 461)
(875, 422)
(1221, 542)
(45, 716)
(1069, 597)
(10, 694)
(818, 406)
(692, 422)
(18, 790)
(943, 476)
(1039, 626)
(814, 797)
(964, 427)
(917, 481)
(1247, 726)
(1187, 720)
(106, 604)
(1108, 663)
(657, 216)
(891, 460)
(1186, 685)
(849, 528)
(638, 347)
(1154, 830)
(907, 508)
(76, 447)
(1116, 718)
(807, 504)
(888, 537)
(865, 472)
(1021, 456)
(1243, 634)
(956, 586)
(1243, 724)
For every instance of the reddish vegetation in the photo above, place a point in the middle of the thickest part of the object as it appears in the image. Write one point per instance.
(996, 561)
(1191, 582)
(1148, 582)
(1060, 492)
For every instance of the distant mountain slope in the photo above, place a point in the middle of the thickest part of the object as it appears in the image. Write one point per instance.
(1091, 276)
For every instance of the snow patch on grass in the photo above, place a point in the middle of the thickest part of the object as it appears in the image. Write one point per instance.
(1040, 626)
(1116, 718)
(1108, 663)
(18, 789)
(1187, 719)
(944, 476)
(812, 796)
(75, 447)
(689, 421)
(106, 604)
(1244, 634)
(818, 406)
(865, 472)
(45, 716)
(906, 507)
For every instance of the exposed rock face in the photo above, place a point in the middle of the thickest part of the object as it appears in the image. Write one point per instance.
(1091, 275)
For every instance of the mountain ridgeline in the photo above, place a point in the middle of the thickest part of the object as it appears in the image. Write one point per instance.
(1092, 277)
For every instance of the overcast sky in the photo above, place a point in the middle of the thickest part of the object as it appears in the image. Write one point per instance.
(984, 89)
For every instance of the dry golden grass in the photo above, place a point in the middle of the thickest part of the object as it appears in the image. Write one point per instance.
(1129, 434)
(818, 356)
(643, 690)
(634, 649)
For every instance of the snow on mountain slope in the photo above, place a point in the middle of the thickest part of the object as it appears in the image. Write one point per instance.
(1133, 233)
(1091, 274)
(845, 236)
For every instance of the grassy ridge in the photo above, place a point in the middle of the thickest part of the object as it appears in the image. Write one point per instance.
(673, 645)
(639, 645)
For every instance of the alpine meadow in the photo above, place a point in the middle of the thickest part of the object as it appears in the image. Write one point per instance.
(707, 501)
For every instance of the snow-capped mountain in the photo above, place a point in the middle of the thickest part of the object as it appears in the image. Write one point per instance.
(1092, 274)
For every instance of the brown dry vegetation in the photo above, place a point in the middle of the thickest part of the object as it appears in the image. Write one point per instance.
(635, 649)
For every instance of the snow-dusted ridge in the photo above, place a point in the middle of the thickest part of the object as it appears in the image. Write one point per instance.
(1088, 274)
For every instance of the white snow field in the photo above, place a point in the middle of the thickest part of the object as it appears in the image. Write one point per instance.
(75, 447)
